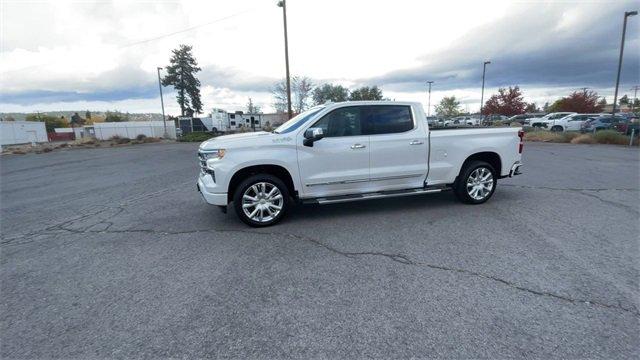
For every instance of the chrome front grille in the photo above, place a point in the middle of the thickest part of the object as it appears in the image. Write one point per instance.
(202, 160)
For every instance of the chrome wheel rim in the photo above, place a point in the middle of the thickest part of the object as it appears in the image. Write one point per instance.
(480, 183)
(262, 202)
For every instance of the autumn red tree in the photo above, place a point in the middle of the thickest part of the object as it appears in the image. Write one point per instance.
(584, 101)
(506, 102)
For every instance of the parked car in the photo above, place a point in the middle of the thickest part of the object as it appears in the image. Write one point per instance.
(542, 121)
(463, 120)
(490, 119)
(628, 126)
(602, 122)
(522, 118)
(571, 122)
(350, 151)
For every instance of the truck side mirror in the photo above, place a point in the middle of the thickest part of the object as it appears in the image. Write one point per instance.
(311, 135)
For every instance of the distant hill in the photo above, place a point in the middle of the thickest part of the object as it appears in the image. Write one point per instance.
(97, 114)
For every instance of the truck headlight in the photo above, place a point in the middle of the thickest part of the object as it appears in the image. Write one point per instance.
(213, 154)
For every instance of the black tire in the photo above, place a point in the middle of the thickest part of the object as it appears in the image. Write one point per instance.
(239, 201)
(461, 188)
(557, 128)
(214, 130)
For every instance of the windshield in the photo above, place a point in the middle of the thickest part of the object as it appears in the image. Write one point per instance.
(297, 121)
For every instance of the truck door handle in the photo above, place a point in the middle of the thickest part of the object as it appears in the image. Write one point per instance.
(357, 146)
(416, 142)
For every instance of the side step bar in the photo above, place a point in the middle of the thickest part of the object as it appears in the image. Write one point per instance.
(373, 195)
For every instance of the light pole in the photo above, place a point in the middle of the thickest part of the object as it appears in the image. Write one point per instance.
(164, 122)
(429, 103)
(484, 70)
(283, 5)
(624, 31)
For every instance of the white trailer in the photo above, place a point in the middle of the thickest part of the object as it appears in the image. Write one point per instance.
(22, 132)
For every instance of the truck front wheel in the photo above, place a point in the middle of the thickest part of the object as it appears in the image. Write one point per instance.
(476, 183)
(261, 200)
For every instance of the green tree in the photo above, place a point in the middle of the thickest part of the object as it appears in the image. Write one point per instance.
(366, 93)
(181, 75)
(624, 100)
(116, 116)
(532, 107)
(448, 106)
(50, 122)
(330, 92)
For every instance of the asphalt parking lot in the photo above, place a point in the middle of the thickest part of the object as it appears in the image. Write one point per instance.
(110, 253)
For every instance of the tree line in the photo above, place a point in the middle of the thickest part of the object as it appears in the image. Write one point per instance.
(510, 101)
(304, 94)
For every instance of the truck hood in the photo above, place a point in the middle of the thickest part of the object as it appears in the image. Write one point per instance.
(238, 140)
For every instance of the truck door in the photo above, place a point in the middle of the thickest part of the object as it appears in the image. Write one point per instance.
(339, 163)
(399, 147)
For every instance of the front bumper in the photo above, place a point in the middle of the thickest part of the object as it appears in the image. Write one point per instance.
(205, 181)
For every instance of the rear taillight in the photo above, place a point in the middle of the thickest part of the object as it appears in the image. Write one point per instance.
(521, 145)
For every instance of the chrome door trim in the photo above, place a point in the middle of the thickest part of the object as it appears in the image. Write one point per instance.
(339, 182)
(396, 177)
(366, 180)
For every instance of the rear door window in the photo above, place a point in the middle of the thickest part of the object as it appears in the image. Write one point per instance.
(387, 119)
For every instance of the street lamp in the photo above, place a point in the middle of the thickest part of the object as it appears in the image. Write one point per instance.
(429, 103)
(283, 5)
(484, 70)
(624, 31)
(164, 122)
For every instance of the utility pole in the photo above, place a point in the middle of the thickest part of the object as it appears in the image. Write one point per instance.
(429, 103)
(181, 90)
(635, 97)
(164, 121)
(283, 5)
(624, 31)
(484, 70)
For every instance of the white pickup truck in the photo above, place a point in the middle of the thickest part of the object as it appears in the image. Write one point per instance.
(353, 151)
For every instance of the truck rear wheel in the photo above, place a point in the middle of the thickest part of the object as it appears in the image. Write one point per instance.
(261, 200)
(476, 183)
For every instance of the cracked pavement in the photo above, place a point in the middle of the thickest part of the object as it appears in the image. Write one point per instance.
(110, 253)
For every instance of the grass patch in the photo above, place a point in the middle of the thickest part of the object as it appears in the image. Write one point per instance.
(545, 136)
(611, 137)
(196, 137)
(601, 137)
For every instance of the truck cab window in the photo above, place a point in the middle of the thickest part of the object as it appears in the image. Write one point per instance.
(341, 122)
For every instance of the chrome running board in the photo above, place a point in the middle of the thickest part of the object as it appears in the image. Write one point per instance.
(372, 195)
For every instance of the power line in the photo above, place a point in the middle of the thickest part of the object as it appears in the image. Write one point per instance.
(141, 41)
(185, 30)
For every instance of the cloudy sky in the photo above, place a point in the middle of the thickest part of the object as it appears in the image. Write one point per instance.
(100, 55)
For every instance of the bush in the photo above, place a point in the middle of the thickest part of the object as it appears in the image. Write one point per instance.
(545, 136)
(568, 136)
(150, 139)
(583, 139)
(196, 137)
(610, 137)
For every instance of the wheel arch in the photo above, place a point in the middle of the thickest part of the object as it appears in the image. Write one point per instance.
(490, 157)
(271, 169)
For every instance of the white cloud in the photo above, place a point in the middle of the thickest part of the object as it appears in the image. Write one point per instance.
(100, 47)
